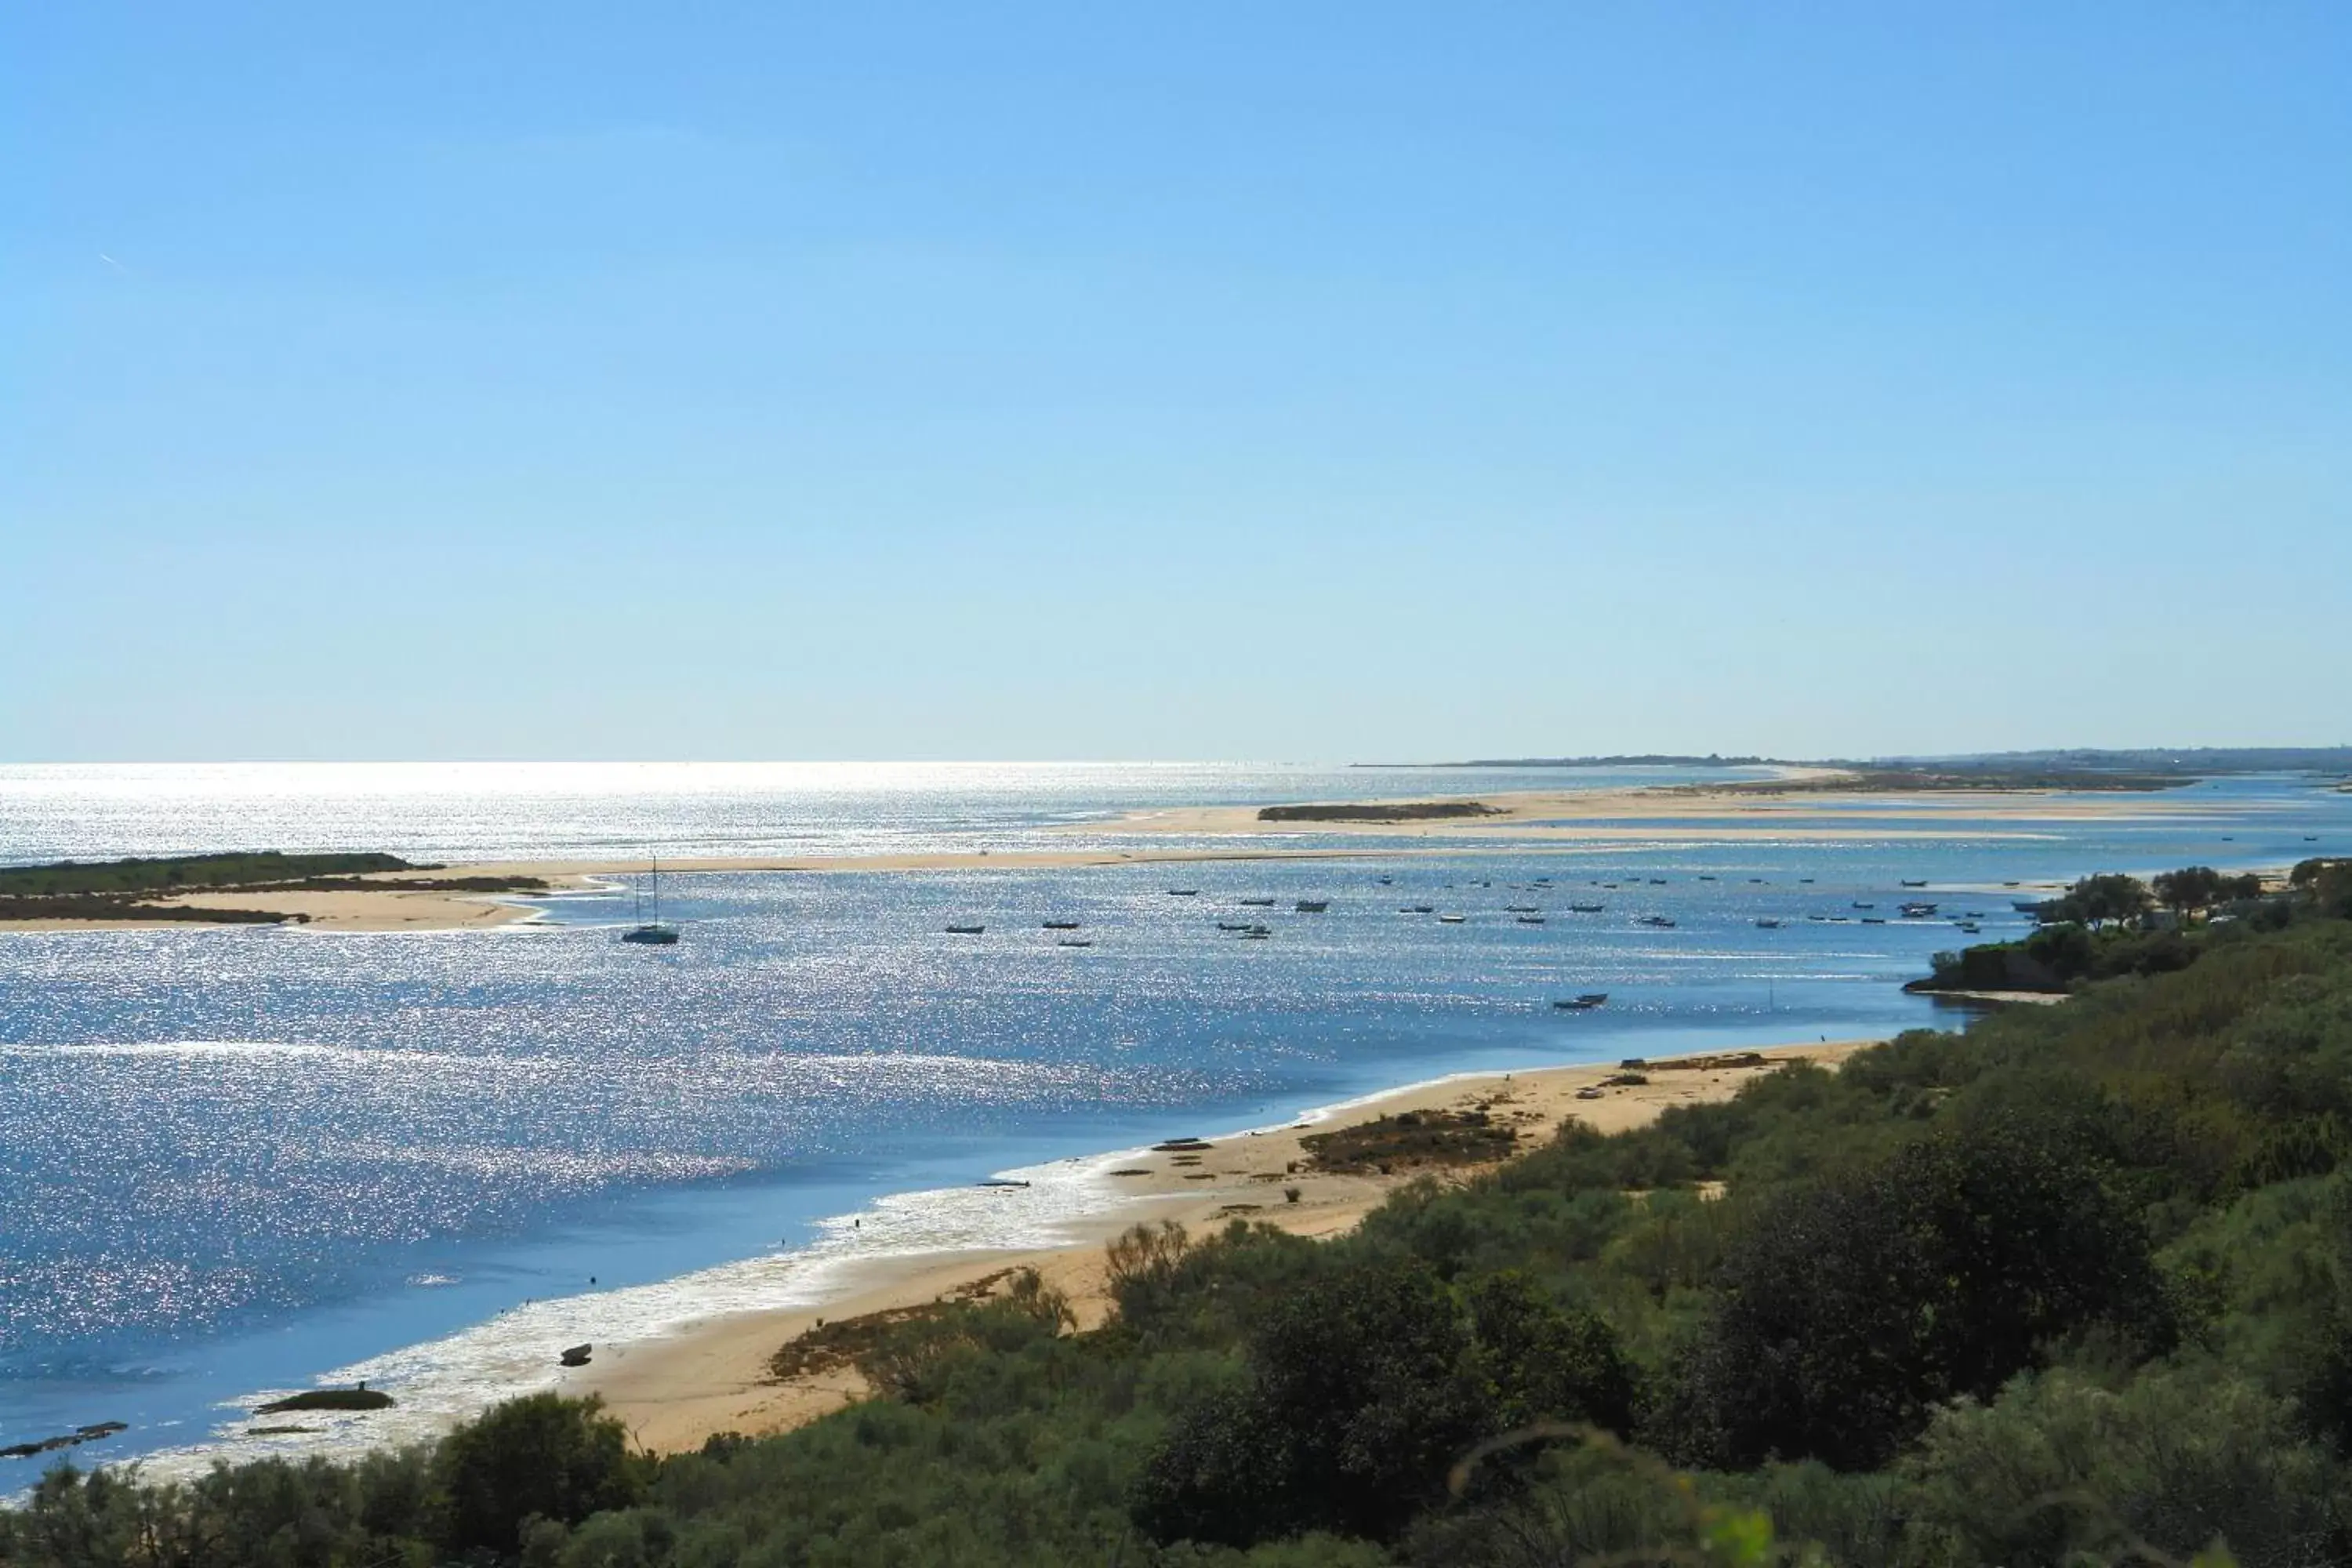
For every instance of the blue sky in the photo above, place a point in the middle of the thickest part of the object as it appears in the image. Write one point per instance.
(1314, 382)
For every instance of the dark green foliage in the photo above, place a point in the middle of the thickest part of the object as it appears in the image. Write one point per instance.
(2097, 900)
(539, 1456)
(1538, 1360)
(2174, 1461)
(1402, 811)
(178, 873)
(1851, 1309)
(1358, 1398)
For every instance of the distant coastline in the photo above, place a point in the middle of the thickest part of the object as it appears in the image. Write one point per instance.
(1804, 803)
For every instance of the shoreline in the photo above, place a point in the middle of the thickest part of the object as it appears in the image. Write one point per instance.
(677, 1389)
(683, 1357)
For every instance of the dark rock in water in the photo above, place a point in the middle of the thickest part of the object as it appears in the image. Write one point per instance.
(89, 1434)
(576, 1356)
(327, 1399)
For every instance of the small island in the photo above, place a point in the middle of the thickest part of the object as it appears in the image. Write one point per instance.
(1382, 811)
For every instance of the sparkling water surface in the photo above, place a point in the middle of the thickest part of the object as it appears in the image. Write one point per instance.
(236, 1160)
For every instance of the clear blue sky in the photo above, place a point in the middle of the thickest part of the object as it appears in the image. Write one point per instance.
(1307, 381)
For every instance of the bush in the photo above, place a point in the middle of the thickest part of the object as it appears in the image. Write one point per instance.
(2179, 1461)
(540, 1456)
(1852, 1308)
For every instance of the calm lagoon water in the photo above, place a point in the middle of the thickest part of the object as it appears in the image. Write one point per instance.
(241, 1159)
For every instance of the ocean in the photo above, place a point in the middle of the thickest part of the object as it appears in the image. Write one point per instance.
(236, 1162)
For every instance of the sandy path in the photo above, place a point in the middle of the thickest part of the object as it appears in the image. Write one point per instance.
(675, 1391)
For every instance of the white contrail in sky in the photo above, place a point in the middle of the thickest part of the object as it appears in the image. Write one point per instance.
(111, 262)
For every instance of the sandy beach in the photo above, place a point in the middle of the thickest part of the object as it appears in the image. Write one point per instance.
(676, 1391)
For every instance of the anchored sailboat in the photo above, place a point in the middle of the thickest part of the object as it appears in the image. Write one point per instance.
(651, 934)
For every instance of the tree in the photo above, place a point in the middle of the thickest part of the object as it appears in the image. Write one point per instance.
(1541, 1362)
(540, 1456)
(1358, 1402)
(2095, 901)
(2189, 888)
(1851, 1309)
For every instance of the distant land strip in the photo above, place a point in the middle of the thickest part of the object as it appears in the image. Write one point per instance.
(133, 889)
(1400, 811)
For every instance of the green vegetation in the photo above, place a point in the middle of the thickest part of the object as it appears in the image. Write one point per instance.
(1409, 811)
(123, 889)
(1412, 1139)
(180, 873)
(2073, 1288)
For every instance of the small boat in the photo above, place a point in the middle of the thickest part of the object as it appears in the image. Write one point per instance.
(1061, 925)
(1419, 910)
(1257, 903)
(1704, 878)
(1384, 881)
(1451, 919)
(1802, 881)
(1235, 925)
(1860, 905)
(1657, 881)
(1766, 922)
(965, 930)
(1074, 941)
(1918, 911)
(1529, 920)
(1583, 1003)
(1968, 926)
(1909, 883)
(1754, 881)
(1313, 906)
(652, 933)
(1874, 919)
(2026, 906)
(1659, 922)
(1586, 908)
(1543, 882)
(1183, 892)
(1520, 910)
(1257, 933)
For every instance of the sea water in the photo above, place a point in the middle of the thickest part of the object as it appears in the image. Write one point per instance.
(238, 1160)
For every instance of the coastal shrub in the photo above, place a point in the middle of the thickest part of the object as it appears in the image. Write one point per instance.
(2178, 1460)
(541, 1454)
(1849, 1309)
(1358, 1403)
